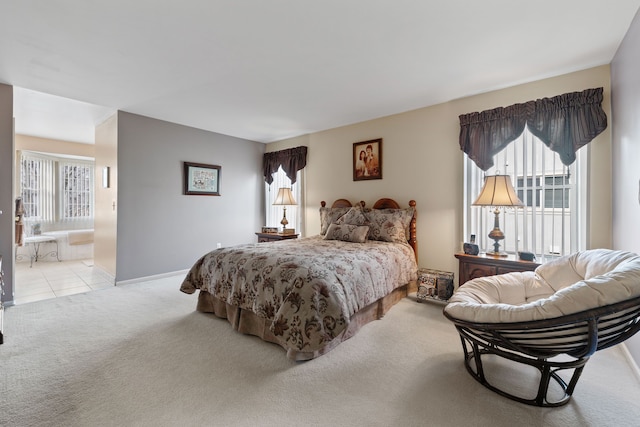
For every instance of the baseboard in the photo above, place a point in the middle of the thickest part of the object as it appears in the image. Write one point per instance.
(104, 273)
(632, 363)
(154, 277)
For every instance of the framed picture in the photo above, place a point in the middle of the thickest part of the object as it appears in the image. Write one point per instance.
(201, 179)
(367, 160)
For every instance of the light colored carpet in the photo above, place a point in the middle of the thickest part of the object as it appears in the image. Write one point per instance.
(139, 355)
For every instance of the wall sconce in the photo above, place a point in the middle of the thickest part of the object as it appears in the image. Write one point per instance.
(106, 179)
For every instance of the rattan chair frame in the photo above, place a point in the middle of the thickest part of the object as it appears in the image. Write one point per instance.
(537, 343)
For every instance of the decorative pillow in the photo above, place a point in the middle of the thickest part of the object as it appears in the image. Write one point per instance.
(329, 216)
(389, 225)
(347, 233)
(355, 216)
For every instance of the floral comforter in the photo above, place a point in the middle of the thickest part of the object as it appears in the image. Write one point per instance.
(307, 288)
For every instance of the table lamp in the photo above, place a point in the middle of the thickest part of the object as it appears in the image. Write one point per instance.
(284, 199)
(497, 192)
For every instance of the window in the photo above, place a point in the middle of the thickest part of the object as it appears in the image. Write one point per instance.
(556, 190)
(77, 184)
(56, 189)
(37, 182)
(273, 214)
(552, 222)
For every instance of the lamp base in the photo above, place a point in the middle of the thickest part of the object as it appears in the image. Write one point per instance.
(499, 254)
(284, 221)
(496, 235)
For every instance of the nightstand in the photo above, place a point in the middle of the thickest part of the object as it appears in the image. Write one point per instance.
(274, 237)
(472, 266)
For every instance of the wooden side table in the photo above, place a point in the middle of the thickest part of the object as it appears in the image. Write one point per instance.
(274, 237)
(472, 266)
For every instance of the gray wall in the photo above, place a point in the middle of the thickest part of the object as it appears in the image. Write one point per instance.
(625, 105)
(160, 230)
(6, 187)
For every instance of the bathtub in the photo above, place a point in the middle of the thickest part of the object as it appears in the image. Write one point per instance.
(71, 245)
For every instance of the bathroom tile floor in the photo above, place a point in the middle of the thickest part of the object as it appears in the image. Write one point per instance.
(51, 279)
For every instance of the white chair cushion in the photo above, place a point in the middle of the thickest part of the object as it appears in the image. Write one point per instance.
(570, 284)
(567, 270)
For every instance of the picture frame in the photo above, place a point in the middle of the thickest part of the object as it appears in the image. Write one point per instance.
(367, 160)
(201, 179)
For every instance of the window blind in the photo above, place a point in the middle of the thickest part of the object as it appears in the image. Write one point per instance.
(77, 194)
(38, 187)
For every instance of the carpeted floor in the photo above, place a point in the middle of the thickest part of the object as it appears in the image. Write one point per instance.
(139, 355)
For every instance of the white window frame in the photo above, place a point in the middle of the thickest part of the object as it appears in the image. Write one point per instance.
(548, 232)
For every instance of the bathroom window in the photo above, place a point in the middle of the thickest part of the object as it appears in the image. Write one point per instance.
(56, 188)
(77, 190)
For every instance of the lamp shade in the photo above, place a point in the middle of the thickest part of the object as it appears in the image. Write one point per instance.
(498, 191)
(284, 197)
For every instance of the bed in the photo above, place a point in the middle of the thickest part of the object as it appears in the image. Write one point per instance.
(310, 294)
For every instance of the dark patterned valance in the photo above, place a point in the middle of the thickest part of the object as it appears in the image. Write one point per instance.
(564, 123)
(291, 160)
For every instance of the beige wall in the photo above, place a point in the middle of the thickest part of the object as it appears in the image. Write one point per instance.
(106, 217)
(45, 145)
(422, 161)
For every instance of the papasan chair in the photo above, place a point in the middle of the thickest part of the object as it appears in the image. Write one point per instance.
(552, 319)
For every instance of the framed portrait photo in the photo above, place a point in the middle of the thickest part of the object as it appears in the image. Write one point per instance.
(367, 160)
(201, 179)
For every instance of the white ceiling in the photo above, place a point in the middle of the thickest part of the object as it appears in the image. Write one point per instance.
(269, 70)
(55, 117)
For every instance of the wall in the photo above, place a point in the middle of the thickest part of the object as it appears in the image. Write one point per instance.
(45, 145)
(422, 161)
(625, 84)
(106, 215)
(160, 230)
(7, 199)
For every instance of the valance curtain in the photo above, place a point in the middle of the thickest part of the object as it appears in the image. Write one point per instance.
(291, 160)
(564, 123)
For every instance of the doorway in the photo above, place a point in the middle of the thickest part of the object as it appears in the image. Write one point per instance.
(56, 180)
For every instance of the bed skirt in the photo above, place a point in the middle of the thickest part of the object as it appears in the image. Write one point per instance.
(247, 322)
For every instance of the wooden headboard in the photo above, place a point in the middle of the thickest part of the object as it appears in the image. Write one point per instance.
(386, 203)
